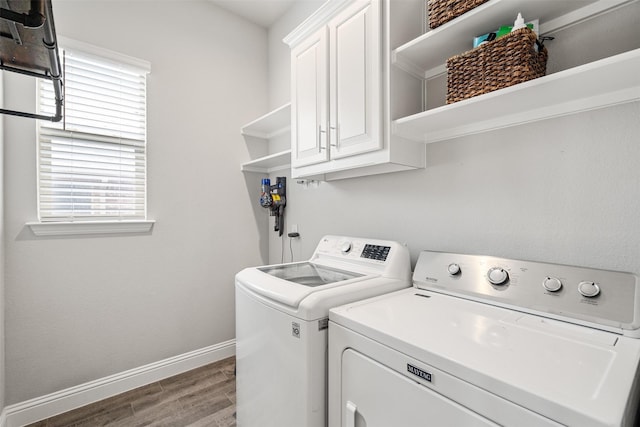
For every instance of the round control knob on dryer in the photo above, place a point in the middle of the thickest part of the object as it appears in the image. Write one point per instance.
(552, 284)
(498, 276)
(453, 269)
(589, 289)
(345, 247)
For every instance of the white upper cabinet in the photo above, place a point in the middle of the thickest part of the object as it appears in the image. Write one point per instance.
(354, 77)
(309, 94)
(340, 94)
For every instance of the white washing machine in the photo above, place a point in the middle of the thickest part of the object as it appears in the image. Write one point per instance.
(282, 320)
(484, 341)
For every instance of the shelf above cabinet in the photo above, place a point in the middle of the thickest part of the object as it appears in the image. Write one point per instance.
(271, 124)
(426, 55)
(267, 164)
(610, 81)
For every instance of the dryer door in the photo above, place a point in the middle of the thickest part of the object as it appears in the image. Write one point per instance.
(365, 383)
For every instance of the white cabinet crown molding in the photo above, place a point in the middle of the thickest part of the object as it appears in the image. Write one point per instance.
(314, 22)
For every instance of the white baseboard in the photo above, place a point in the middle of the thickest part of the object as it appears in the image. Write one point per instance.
(47, 406)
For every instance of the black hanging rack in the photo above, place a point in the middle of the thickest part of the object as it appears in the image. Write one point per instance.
(28, 46)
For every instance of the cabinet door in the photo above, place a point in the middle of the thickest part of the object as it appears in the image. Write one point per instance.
(355, 79)
(309, 101)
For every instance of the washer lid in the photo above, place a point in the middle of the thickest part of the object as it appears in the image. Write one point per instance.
(572, 374)
(309, 274)
(289, 284)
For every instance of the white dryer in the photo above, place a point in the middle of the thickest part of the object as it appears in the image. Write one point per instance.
(484, 341)
(282, 321)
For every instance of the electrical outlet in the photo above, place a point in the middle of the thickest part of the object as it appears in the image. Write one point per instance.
(293, 234)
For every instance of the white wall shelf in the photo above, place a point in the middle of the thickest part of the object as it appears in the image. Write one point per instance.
(271, 124)
(610, 81)
(267, 164)
(426, 55)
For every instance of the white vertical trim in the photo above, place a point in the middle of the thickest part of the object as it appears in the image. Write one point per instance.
(3, 415)
(47, 406)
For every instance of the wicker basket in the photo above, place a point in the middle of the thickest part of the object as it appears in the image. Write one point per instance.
(501, 63)
(442, 11)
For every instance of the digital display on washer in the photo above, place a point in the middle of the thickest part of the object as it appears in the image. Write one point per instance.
(379, 253)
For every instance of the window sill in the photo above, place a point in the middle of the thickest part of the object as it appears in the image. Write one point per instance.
(89, 227)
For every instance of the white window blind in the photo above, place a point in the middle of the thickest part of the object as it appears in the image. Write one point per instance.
(92, 164)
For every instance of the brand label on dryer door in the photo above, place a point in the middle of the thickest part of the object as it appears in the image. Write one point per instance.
(418, 372)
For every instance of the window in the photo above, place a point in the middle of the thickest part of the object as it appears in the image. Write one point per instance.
(92, 164)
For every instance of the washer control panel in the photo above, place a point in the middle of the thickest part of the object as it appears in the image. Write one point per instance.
(602, 297)
(357, 249)
(366, 256)
(377, 252)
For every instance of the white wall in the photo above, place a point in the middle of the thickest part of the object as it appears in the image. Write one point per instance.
(562, 191)
(82, 308)
(2, 370)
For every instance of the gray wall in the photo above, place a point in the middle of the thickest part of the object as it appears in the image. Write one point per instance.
(81, 308)
(2, 370)
(563, 190)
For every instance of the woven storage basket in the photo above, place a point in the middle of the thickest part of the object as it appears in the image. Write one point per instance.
(501, 63)
(442, 11)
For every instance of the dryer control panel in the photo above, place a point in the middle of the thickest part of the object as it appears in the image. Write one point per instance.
(606, 299)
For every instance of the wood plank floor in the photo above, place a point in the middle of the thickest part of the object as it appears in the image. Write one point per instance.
(202, 397)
